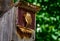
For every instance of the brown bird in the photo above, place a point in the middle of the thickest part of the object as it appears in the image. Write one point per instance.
(28, 19)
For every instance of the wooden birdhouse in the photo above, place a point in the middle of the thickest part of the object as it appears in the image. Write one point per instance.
(23, 27)
(26, 21)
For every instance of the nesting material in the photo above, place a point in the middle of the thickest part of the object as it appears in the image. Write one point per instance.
(24, 32)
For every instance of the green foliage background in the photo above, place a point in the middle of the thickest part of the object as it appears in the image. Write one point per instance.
(47, 20)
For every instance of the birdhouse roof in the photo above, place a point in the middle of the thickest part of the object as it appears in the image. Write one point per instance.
(27, 6)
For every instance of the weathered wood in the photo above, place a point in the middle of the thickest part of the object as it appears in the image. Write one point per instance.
(6, 26)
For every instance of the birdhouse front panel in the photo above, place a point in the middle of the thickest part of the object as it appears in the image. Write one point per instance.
(26, 18)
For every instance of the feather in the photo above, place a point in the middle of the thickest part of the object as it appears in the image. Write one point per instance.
(28, 19)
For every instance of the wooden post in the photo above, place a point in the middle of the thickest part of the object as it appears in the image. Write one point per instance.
(7, 26)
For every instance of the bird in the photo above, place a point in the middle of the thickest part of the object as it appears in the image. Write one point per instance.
(28, 19)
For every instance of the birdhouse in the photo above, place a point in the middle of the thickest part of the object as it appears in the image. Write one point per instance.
(26, 21)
